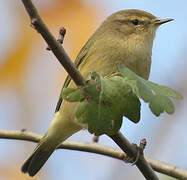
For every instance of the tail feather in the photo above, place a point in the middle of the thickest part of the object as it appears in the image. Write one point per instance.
(38, 158)
(60, 129)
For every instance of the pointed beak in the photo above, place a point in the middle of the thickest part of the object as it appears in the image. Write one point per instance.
(162, 21)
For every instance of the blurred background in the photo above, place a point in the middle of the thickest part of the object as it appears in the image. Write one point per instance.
(31, 79)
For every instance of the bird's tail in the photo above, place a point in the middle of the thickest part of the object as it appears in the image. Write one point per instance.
(60, 129)
(38, 158)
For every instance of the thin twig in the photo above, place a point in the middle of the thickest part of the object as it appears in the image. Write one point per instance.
(62, 33)
(131, 151)
(158, 166)
(54, 45)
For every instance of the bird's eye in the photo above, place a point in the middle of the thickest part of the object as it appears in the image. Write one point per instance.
(135, 22)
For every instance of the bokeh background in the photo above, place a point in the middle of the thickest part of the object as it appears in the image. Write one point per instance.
(31, 79)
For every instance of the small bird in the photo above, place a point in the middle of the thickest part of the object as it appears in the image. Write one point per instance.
(125, 37)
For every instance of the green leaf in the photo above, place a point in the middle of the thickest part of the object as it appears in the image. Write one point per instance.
(164, 90)
(103, 102)
(161, 103)
(109, 100)
(157, 96)
(73, 95)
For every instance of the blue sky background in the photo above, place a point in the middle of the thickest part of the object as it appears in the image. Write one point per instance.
(166, 135)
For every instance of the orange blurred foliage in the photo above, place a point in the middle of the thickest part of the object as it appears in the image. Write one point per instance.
(79, 20)
(12, 69)
(12, 173)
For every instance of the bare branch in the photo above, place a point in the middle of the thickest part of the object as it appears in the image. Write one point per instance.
(168, 169)
(158, 166)
(54, 45)
(133, 151)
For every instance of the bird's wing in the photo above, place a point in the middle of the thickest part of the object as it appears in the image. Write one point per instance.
(77, 62)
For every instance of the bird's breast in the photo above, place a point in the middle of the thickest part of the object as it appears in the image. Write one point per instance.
(103, 57)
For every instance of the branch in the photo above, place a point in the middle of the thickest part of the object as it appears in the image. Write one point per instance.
(158, 166)
(133, 151)
(54, 45)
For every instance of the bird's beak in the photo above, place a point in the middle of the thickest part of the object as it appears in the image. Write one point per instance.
(162, 21)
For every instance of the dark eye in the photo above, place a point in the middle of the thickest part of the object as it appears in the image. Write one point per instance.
(135, 22)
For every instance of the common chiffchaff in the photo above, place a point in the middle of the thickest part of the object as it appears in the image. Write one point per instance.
(124, 37)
